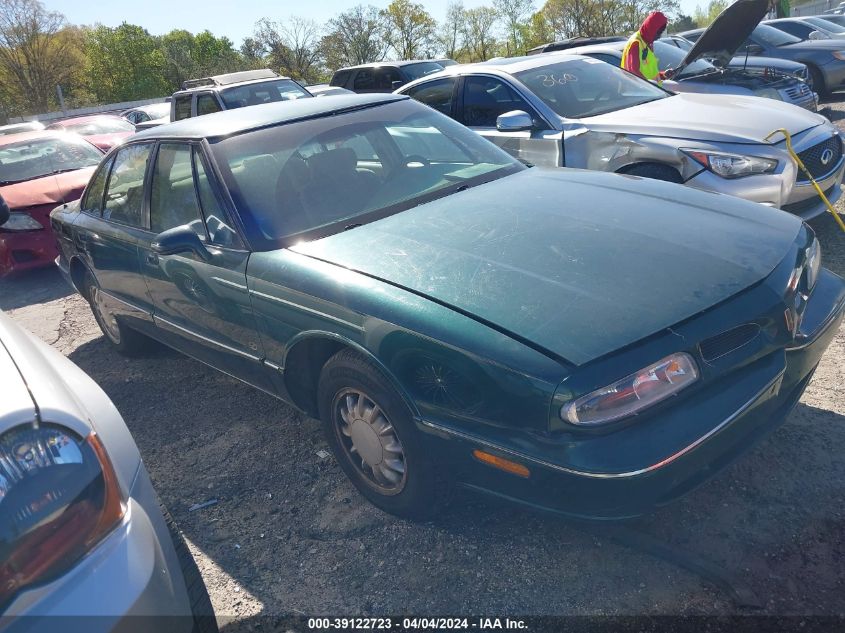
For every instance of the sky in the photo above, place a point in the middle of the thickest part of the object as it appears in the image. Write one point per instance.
(233, 18)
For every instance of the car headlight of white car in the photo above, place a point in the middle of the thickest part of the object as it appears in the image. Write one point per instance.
(731, 165)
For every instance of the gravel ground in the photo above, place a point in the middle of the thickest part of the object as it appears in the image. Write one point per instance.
(290, 535)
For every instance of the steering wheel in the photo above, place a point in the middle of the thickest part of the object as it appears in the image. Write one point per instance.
(412, 160)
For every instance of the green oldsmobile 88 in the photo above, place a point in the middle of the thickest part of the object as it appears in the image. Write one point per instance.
(584, 342)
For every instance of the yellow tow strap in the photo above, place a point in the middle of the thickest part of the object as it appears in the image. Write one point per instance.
(808, 174)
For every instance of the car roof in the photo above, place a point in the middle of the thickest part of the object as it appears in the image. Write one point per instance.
(8, 139)
(238, 120)
(399, 64)
(507, 65)
(83, 119)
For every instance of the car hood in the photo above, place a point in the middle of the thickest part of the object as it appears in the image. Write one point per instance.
(727, 32)
(742, 119)
(753, 61)
(106, 141)
(51, 190)
(575, 263)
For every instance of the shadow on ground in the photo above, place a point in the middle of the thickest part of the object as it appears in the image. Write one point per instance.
(296, 538)
(36, 286)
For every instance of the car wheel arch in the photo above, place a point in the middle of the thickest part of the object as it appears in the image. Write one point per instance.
(642, 168)
(306, 355)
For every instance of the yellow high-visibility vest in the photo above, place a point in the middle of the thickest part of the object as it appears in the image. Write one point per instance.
(647, 59)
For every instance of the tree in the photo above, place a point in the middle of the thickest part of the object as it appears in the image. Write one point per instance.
(704, 17)
(354, 37)
(34, 55)
(539, 31)
(409, 29)
(252, 53)
(682, 23)
(451, 31)
(479, 33)
(516, 15)
(292, 47)
(125, 63)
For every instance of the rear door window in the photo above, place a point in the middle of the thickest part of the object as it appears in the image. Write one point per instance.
(364, 81)
(207, 104)
(340, 78)
(435, 94)
(124, 200)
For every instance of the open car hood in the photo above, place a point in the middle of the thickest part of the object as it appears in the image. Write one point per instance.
(727, 33)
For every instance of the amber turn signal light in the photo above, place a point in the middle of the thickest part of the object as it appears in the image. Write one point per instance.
(501, 463)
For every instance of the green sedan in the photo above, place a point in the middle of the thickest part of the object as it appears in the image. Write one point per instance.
(588, 343)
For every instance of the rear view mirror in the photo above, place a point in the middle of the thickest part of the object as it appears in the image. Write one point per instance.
(179, 239)
(4, 211)
(514, 121)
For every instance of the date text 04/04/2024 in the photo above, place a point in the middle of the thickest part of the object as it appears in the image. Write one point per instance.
(415, 624)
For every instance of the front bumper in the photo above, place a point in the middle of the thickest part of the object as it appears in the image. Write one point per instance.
(725, 421)
(133, 572)
(26, 250)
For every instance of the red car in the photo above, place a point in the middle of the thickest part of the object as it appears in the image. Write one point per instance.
(39, 171)
(103, 130)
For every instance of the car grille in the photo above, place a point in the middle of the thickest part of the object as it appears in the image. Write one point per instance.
(799, 92)
(812, 158)
(728, 341)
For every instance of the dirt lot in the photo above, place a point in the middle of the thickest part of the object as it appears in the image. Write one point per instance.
(290, 535)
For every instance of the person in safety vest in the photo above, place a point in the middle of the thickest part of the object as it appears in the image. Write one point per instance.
(638, 56)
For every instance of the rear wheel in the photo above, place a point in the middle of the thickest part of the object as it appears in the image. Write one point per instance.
(201, 609)
(124, 339)
(655, 171)
(372, 434)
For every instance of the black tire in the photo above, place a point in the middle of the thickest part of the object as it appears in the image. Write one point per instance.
(123, 338)
(655, 171)
(203, 612)
(817, 81)
(420, 492)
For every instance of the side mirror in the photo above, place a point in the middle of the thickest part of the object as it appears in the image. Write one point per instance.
(817, 35)
(4, 211)
(754, 49)
(514, 121)
(179, 239)
(395, 85)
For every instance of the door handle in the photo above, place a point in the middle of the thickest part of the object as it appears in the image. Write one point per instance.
(152, 258)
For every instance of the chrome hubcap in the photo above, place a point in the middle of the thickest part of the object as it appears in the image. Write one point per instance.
(370, 441)
(107, 319)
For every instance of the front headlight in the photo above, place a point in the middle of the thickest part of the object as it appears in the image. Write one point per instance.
(814, 263)
(768, 93)
(21, 222)
(731, 165)
(633, 393)
(58, 497)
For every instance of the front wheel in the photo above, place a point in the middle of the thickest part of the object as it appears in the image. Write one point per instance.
(372, 435)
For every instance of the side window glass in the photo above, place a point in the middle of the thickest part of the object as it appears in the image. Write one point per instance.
(364, 81)
(485, 98)
(435, 94)
(125, 190)
(183, 107)
(385, 78)
(92, 201)
(219, 229)
(174, 201)
(207, 104)
(340, 78)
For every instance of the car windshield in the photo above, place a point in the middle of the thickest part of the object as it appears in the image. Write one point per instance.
(262, 92)
(669, 56)
(36, 158)
(578, 88)
(99, 126)
(415, 71)
(308, 179)
(772, 36)
(823, 23)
